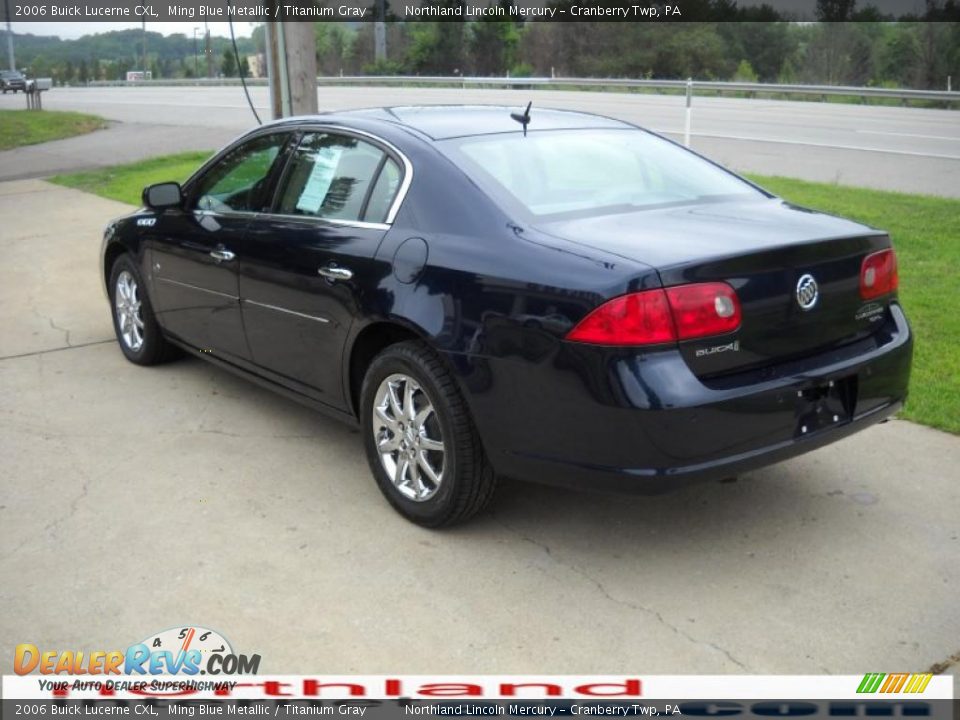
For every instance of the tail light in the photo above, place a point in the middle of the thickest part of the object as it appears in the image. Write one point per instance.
(878, 274)
(704, 309)
(661, 316)
(641, 318)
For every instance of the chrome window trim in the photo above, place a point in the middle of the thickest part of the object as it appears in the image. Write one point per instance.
(283, 216)
(345, 223)
(285, 310)
(309, 126)
(220, 213)
(197, 287)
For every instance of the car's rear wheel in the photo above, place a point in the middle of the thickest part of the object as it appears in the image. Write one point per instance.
(420, 440)
(140, 338)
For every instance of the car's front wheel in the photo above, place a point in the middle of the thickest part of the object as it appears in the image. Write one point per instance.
(140, 338)
(420, 440)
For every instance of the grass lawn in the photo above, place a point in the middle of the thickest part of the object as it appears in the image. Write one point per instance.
(29, 127)
(126, 182)
(925, 232)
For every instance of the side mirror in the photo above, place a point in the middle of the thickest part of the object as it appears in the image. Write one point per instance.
(162, 195)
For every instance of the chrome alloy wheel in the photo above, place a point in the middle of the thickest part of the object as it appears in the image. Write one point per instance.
(127, 302)
(408, 436)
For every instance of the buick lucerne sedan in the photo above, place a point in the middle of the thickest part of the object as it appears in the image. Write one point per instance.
(541, 295)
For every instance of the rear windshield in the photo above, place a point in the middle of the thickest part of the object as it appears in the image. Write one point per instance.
(591, 172)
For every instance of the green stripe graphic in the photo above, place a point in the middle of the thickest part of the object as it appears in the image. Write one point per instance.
(871, 682)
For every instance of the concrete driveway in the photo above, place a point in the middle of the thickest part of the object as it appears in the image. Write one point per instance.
(134, 499)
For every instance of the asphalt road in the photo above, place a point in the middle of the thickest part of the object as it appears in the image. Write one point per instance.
(894, 148)
(137, 499)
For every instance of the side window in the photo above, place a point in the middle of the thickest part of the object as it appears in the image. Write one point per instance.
(239, 182)
(383, 193)
(332, 176)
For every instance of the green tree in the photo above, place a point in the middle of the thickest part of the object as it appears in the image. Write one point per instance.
(761, 40)
(438, 48)
(335, 43)
(228, 66)
(494, 42)
(745, 72)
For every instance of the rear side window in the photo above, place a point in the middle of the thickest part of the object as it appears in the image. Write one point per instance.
(383, 193)
(338, 177)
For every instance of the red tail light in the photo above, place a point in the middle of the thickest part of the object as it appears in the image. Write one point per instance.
(661, 316)
(704, 309)
(878, 274)
(641, 318)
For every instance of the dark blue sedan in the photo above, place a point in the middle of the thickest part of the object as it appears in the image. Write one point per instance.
(549, 296)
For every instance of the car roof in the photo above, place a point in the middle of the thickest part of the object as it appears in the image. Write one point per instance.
(440, 122)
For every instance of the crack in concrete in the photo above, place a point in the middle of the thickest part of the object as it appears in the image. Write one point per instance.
(52, 526)
(626, 603)
(213, 431)
(53, 325)
(940, 667)
(59, 349)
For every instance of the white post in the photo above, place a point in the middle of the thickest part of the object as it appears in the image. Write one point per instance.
(686, 126)
(948, 83)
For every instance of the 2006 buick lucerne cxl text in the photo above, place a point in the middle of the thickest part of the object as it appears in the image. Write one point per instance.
(542, 295)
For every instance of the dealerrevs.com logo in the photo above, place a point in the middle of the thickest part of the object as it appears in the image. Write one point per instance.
(177, 651)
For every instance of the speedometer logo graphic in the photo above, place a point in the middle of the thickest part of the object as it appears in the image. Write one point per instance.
(183, 639)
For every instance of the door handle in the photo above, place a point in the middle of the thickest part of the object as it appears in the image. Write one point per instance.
(333, 272)
(221, 255)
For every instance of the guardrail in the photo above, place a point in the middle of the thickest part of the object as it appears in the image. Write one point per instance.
(749, 88)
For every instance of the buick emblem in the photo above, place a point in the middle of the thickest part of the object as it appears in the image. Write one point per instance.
(807, 292)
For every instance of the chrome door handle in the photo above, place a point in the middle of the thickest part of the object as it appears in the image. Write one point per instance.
(332, 272)
(221, 255)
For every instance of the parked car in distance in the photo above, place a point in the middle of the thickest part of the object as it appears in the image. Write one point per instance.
(548, 295)
(12, 80)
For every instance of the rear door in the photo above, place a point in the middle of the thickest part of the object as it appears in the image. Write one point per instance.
(194, 250)
(306, 263)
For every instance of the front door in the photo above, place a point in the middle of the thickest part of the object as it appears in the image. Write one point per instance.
(193, 259)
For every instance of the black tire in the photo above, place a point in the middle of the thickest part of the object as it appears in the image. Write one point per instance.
(153, 348)
(468, 481)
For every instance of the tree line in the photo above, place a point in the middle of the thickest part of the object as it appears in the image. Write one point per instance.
(109, 55)
(849, 46)
(878, 53)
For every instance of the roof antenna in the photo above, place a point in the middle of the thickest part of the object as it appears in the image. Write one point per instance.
(523, 119)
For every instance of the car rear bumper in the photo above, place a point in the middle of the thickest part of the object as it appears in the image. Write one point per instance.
(611, 420)
(645, 480)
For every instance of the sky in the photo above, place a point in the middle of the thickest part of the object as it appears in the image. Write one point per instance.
(77, 29)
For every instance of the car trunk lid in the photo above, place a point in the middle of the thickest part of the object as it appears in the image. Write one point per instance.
(795, 272)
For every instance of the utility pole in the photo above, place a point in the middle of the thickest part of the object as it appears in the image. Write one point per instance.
(380, 33)
(196, 63)
(276, 76)
(144, 50)
(292, 68)
(206, 30)
(10, 59)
